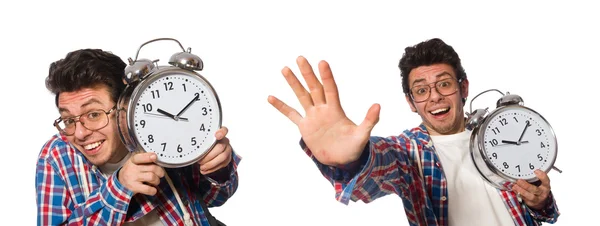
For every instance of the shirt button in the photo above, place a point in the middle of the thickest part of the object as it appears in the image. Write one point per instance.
(443, 198)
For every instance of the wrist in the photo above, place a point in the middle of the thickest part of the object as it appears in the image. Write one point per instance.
(223, 174)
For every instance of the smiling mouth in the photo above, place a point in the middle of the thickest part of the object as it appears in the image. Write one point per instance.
(91, 146)
(440, 111)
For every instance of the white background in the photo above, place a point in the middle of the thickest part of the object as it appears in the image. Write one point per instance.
(544, 51)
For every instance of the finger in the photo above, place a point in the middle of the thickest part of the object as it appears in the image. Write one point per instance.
(543, 177)
(143, 158)
(145, 189)
(217, 163)
(155, 169)
(371, 119)
(329, 87)
(529, 187)
(148, 178)
(526, 195)
(286, 110)
(219, 148)
(301, 93)
(222, 132)
(315, 87)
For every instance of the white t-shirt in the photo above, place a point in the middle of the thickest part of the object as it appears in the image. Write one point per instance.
(471, 200)
(150, 219)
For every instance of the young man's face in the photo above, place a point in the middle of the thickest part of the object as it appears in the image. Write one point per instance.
(442, 114)
(99, 146)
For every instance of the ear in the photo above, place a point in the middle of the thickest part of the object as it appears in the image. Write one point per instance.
(410, 103)
(464, 88)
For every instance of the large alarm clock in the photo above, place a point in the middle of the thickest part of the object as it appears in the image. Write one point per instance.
(511, 142)
(170, 110)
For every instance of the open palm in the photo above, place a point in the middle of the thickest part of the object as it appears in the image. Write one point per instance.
(329, 134)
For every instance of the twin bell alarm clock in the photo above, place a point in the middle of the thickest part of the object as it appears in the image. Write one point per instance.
(170, 110)
(510, 142)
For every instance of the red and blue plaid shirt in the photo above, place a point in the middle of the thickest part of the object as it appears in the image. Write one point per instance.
(389, 166)
(72, 191)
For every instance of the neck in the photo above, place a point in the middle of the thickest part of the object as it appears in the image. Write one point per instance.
(457, 129)
(119, 155)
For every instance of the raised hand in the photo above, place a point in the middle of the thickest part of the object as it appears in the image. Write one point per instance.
(332, 137)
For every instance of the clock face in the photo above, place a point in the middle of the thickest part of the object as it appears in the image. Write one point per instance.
(516, 141)
(176, 116)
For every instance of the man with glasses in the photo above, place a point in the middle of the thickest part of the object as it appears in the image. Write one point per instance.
(429, 166)
(86, 176)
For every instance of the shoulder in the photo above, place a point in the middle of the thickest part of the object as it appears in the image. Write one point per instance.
(56, 149)
(418, 134)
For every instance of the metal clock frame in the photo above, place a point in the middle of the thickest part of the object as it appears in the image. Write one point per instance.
(488, 171)
(139, 77)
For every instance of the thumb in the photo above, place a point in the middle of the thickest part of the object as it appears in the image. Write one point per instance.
(371, 119)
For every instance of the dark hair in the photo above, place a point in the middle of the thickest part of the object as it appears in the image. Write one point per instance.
(86, 68)
(433, 51)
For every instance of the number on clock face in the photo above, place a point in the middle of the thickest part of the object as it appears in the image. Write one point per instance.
(176, 117)
(517, 141)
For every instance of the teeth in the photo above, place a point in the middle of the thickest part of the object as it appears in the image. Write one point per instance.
(92, 145)
(439, 110)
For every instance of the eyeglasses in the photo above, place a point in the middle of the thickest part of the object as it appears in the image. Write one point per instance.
(92, 120)
(445, 87)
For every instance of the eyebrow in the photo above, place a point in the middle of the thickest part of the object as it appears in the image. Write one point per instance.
(437, 76)
(89, 102)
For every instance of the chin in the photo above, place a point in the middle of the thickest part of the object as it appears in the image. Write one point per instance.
(442, 128)
(447, 129)
(97, 160)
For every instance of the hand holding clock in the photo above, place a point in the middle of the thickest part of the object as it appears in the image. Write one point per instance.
(140, 174)
(534, 196)
(219, 156)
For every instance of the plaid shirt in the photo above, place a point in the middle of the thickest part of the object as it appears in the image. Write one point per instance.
(389, 166)
(70, 190)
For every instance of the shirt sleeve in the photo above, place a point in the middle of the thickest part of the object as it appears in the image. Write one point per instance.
(220, 185)
(549, 214)
(106, 205)
(380, 169)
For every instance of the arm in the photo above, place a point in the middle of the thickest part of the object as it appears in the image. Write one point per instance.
(380, 170)
(106, 205)
(538, 198)
(219, 185)
(547, 214)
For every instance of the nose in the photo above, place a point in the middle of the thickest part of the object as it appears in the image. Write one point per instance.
(434, 95)
(81, 132)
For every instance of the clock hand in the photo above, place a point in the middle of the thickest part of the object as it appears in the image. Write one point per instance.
(509, 142)
(176, 118)
(523, 133)
(167, 114)
(513, 142)
(160, 115)
(188, 105)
